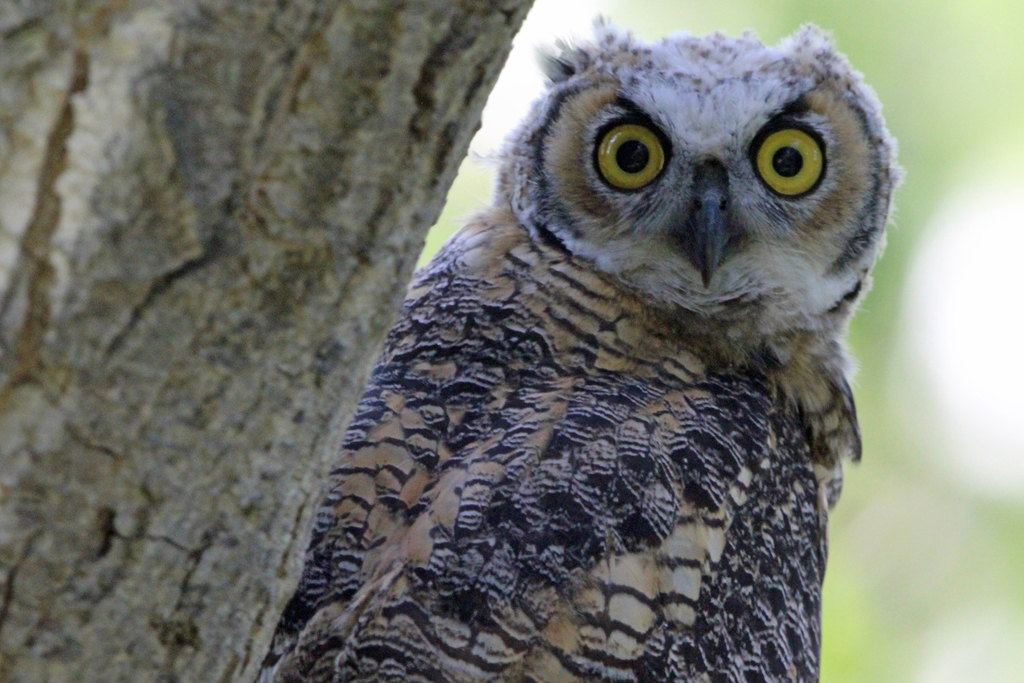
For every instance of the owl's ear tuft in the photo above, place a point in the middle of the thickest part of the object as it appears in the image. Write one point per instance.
(555, 67)
(817, 48)
(809, 39)
(562, 61)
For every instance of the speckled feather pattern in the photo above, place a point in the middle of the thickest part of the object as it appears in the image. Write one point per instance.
(540, 486)
(581, 457)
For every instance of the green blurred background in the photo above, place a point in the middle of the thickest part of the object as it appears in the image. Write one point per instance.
(925, 581)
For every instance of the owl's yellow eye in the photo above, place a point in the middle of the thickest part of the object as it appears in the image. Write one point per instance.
(630, 156)
(790, 161)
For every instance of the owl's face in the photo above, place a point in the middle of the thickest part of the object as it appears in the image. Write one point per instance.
(711, 174)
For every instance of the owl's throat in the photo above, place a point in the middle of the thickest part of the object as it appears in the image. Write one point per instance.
(707, 232)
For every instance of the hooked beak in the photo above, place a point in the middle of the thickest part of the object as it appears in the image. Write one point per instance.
(707, 231)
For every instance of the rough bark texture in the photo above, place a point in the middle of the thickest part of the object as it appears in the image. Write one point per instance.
(208, 215)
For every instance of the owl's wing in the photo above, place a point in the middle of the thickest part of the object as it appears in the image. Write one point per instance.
(506, 510)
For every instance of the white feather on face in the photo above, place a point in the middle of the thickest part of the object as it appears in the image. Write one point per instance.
(792, 262)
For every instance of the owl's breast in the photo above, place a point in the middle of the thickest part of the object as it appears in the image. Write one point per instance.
(537, 487)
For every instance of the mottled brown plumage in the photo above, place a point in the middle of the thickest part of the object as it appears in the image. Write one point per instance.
(540, 484)
(572, 468)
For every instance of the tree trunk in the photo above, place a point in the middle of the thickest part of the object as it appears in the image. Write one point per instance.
(208, 215)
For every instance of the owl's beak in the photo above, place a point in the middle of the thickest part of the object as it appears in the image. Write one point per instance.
(707, 229)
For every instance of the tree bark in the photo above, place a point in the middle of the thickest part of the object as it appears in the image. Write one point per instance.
(208, 215)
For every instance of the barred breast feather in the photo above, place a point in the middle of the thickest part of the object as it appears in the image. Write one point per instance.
(541, 485)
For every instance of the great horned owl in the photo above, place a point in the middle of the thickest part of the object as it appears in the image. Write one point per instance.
(603, 438)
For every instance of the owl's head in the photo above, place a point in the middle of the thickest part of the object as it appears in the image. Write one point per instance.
(711, 175)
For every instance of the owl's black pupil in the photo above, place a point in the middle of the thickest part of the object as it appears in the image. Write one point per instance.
(787, 162)
(632, 156)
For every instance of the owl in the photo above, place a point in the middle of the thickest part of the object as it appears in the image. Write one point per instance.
(603, 439)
